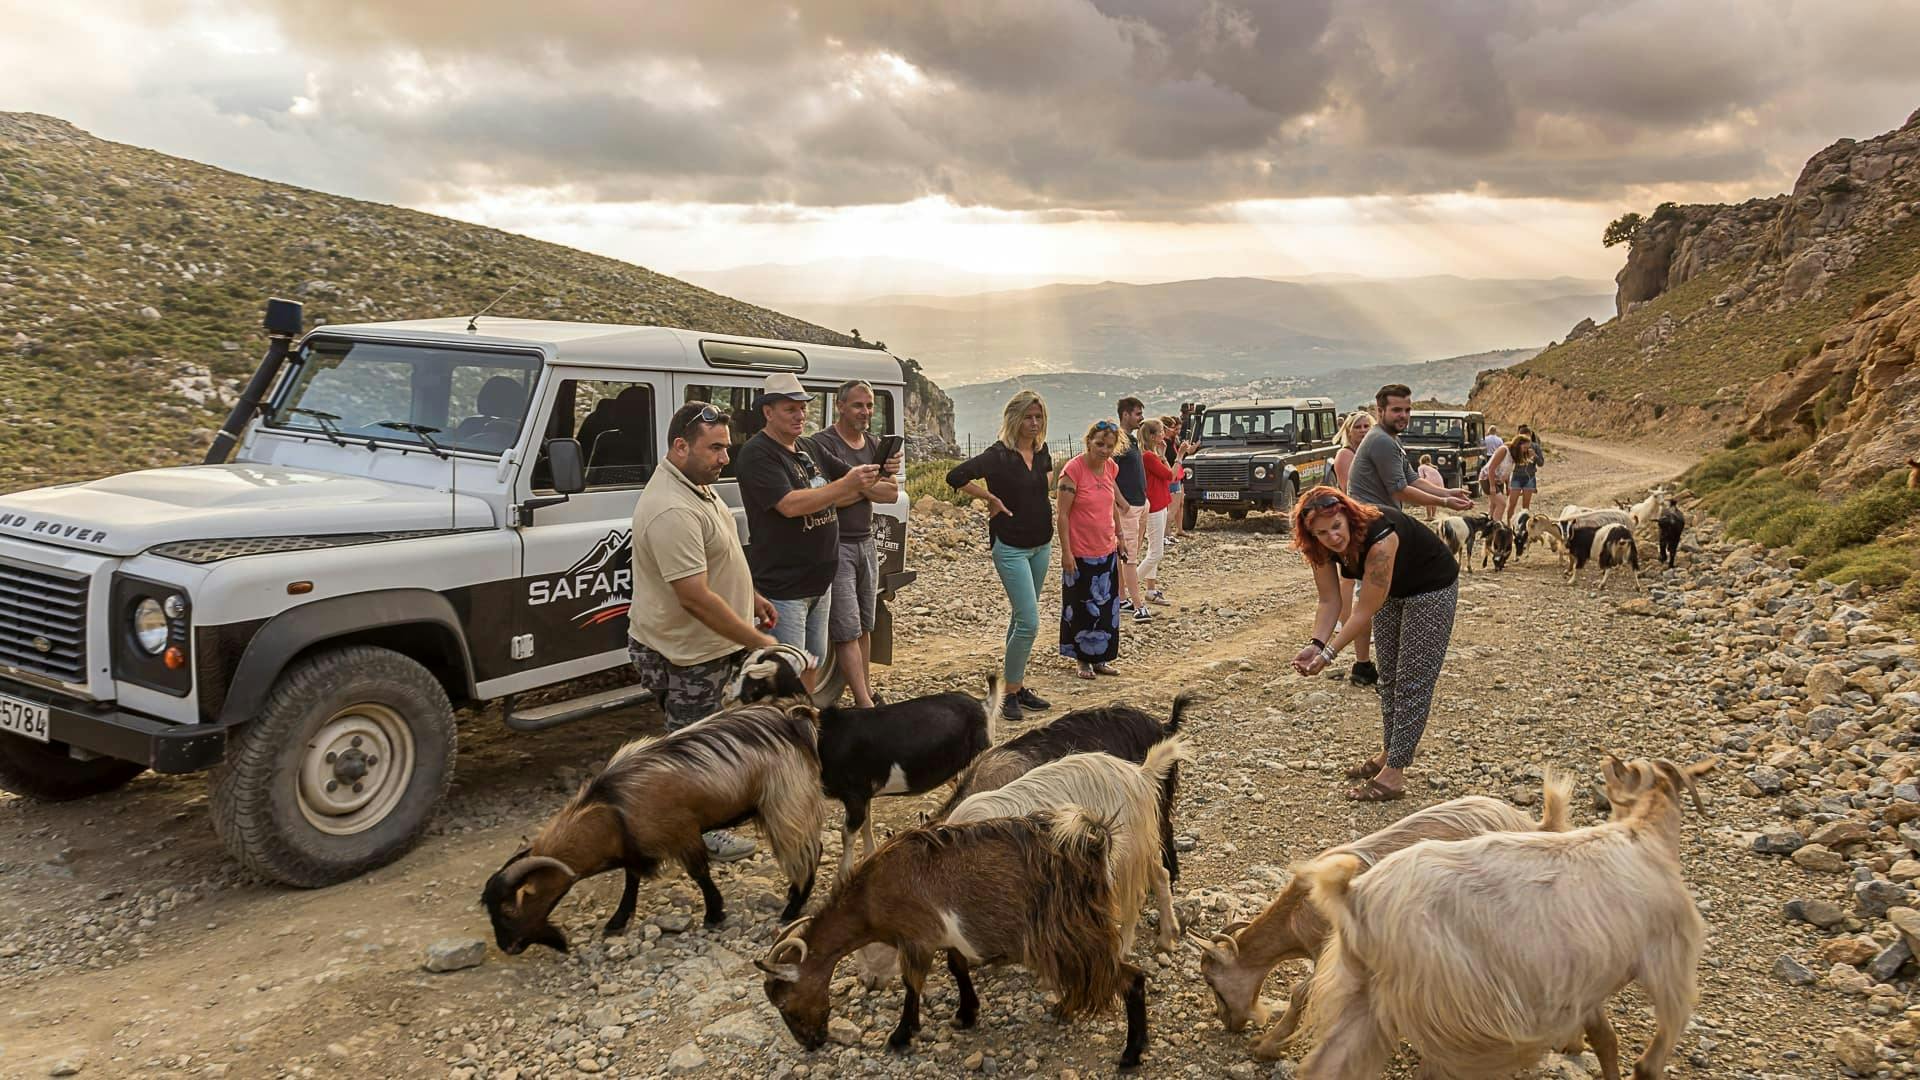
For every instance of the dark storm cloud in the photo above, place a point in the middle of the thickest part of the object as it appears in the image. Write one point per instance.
(1145, 108)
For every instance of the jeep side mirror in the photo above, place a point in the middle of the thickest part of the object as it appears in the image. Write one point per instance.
(569, 468)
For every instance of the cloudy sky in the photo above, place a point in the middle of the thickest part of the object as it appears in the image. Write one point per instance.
(1137, 139)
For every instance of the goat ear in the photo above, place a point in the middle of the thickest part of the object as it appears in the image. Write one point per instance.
(783, 972)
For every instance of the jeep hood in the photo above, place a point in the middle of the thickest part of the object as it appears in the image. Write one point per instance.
(127, 514)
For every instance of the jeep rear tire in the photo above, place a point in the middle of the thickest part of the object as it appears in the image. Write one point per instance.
(45, 772)
(342, 770)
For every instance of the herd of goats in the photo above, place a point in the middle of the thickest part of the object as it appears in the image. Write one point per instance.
(1480, 936)
(1579, 535)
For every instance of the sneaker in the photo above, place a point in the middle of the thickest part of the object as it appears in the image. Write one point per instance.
(1010, 708)
(1142, 615)
(1031, 700)
(1171, 541)
(724, 846)
(1126, 604)
(1364, 674)
(1155, 596)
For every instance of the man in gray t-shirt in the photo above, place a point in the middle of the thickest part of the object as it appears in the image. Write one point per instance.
(1382, 475)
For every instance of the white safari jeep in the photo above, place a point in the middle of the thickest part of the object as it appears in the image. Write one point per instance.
(418, 517)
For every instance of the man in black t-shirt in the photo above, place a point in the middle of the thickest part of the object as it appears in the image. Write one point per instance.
(792, 492)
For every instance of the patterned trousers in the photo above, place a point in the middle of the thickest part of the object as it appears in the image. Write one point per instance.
(1410, 636)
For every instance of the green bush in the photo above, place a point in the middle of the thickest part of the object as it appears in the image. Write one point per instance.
(1883, 566)
(928, 479)
(1859, 520)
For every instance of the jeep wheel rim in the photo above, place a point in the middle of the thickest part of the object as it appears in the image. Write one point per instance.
(355, 769)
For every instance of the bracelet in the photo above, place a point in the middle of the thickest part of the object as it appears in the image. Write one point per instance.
(1327, 654)
(1318, 642)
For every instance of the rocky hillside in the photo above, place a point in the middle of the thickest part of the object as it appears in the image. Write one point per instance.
(1763, 313)
(131, 285)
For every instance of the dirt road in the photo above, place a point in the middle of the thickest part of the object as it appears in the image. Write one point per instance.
(129, 945)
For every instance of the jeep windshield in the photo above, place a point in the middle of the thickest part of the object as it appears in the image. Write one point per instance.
(473, 400)
(1248, 425)
(1435, 429)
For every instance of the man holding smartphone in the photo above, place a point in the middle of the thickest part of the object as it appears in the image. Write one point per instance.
(856, 579)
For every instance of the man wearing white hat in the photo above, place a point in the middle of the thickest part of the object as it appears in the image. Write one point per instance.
(792, 494)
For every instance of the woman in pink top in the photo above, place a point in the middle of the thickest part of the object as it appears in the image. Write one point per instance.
(1088, 501)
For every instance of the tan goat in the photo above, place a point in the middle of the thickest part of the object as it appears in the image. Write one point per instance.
(1237, 960)
(1486, 953)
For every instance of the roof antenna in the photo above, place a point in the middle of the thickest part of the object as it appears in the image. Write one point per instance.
(471, 328)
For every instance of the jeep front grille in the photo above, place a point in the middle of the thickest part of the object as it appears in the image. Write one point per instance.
(1220, 474)
(43, 622)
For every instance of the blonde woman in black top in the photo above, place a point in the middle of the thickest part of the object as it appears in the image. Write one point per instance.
(1010, 476)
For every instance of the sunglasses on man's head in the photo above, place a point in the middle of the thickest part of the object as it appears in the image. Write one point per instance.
(708, 415)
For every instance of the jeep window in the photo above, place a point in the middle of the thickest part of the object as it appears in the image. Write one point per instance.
(736, 402)
(1447, 429)
(1261, 425)
(476, 399)
(613, 421)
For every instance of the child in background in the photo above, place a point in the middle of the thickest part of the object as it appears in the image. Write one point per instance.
(1431, 475)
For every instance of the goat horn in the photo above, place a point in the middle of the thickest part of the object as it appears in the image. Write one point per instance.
(780, 949)
(518, 872)
(1235, 926)
(795, 926)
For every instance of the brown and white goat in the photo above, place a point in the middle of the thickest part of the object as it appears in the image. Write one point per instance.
(1237, 960)
(1128, 795)
(651, 803)
(1030, 890)
(1529, 934)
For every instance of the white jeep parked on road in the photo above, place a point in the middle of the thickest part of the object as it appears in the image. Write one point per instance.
(417, 517)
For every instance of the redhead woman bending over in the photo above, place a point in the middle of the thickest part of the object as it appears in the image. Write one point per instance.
(1409, 584)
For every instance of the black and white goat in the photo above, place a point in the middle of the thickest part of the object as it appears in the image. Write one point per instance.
(1461, 532)
(1610, 544)
(900, 748)
(1500, 545)
(1673, 523)
(650, 804)
(1522, 535)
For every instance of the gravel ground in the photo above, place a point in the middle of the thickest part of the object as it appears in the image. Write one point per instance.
(131, 947)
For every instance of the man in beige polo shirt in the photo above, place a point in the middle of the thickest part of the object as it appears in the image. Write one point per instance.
(694, 611)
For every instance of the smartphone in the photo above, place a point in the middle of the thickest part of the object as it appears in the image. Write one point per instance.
(890, 447)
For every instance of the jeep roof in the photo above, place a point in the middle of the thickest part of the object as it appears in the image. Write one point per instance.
(1274, 403)
(1461, 414)
(617, 346)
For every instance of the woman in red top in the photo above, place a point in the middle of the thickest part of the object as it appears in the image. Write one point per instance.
(1153, 436)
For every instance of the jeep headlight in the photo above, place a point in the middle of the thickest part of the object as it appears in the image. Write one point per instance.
(1259, 472)
(150, 625)
(1186, 473)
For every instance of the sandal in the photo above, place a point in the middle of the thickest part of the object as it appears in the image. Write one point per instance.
(1086, 671)
(1366, 770)
(1105, 669)
(1375, 791)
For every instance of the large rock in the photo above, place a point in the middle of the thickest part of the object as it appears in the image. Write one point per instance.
(1855, 1051)
(455, 954)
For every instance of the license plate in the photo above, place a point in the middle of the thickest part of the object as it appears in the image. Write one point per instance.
(1223, 496)
(23, 718)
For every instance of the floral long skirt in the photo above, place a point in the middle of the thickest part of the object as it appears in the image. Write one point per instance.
(1090, 611)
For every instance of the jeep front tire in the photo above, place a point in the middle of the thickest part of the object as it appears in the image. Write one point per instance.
(48, 773)
(342, 770)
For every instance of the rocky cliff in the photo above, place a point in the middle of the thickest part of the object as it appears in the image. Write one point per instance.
(131, 285)
(1765, 313)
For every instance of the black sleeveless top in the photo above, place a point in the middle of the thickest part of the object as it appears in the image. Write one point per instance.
(1423, 564)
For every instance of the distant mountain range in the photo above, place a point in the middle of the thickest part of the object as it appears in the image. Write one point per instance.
(1077, 398)
(1230, 329)
(843, 279)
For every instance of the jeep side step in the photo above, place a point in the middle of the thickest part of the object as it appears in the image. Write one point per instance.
(543, 717)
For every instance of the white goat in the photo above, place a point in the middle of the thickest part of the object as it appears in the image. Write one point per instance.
(1119, 791)
(1645, 512)
(1487, 953)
